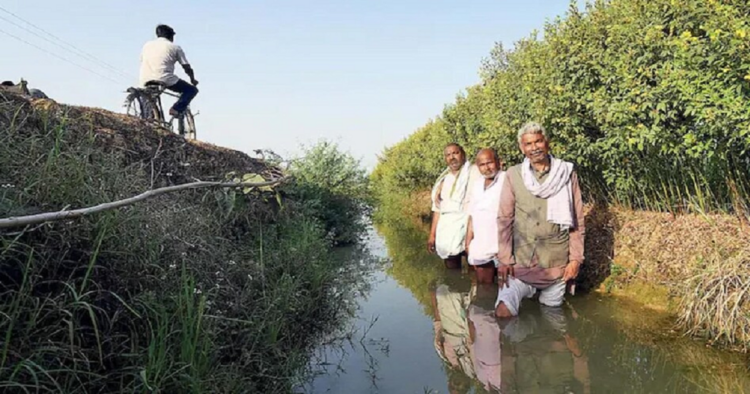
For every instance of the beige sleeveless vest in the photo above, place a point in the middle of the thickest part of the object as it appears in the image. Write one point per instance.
(532, 234)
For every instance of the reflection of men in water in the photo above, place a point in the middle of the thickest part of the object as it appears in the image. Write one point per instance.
(481, 237)
(452, 328)
(541, 221)
(452, 337)
(485, 338)
(541, 356)
(450, 199)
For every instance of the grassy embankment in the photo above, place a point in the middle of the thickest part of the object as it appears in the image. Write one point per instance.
(209, 290)
(649, 100)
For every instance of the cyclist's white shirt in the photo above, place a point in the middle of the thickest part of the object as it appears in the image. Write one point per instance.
(157, 61)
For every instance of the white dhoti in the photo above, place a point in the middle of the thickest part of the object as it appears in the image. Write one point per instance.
(450, 199)
(517, 290)
(451, 234)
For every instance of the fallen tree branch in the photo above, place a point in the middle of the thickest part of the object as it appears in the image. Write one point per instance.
(77, 213)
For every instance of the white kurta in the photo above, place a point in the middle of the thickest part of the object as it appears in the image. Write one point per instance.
(483, 210)
(450, 197)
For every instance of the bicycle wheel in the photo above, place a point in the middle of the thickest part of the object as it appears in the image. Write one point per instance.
(180, 125)
(189, 126)
(152, 108)
(133, 105)
(142, 106)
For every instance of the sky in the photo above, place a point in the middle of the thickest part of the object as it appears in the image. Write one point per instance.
(274, 74)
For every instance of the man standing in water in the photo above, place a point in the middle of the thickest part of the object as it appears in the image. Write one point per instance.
(450, 198)
(481, 237)
(540, 226)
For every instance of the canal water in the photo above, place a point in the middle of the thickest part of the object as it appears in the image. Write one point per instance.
(593, 344)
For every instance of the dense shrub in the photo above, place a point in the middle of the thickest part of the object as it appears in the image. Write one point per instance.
(647, 97)
(334, 188)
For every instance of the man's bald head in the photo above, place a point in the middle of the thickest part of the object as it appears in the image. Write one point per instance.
(487, 152)
(488, 163)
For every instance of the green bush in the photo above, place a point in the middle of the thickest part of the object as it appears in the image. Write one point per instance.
(334, 188)
(190, 292)
(647, 98)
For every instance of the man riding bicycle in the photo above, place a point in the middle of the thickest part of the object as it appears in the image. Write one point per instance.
(157, 67)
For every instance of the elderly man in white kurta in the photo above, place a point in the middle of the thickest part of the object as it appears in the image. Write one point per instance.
(481, 237)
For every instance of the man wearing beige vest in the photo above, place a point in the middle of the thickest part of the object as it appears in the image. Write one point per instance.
(540, 226)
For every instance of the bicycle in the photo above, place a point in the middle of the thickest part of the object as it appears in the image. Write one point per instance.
(145, 103)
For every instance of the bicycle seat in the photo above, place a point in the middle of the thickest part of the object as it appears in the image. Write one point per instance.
(156, 84)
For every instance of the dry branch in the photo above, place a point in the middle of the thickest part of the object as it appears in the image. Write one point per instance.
(77, 213)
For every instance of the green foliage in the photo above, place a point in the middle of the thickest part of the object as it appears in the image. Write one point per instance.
(647, 98)
(412, 266)
(334, 187)
(191, 292)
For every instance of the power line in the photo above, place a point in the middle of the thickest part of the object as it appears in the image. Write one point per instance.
(79, 52)
(59, 57)
(70, 47)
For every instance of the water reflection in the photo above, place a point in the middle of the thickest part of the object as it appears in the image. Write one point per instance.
(451, 327)
(534, 352)
(485, 337)
(441, 336)
(542, 355)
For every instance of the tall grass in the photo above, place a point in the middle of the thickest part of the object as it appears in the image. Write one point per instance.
(201, 291)
(716, 301)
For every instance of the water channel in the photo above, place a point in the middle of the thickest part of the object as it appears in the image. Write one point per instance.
(593, 344)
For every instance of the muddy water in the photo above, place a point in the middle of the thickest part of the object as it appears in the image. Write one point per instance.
(593, 344)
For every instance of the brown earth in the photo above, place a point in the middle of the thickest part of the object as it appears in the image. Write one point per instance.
(174, 159)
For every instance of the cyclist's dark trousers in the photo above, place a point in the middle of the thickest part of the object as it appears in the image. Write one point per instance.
(187, 93)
